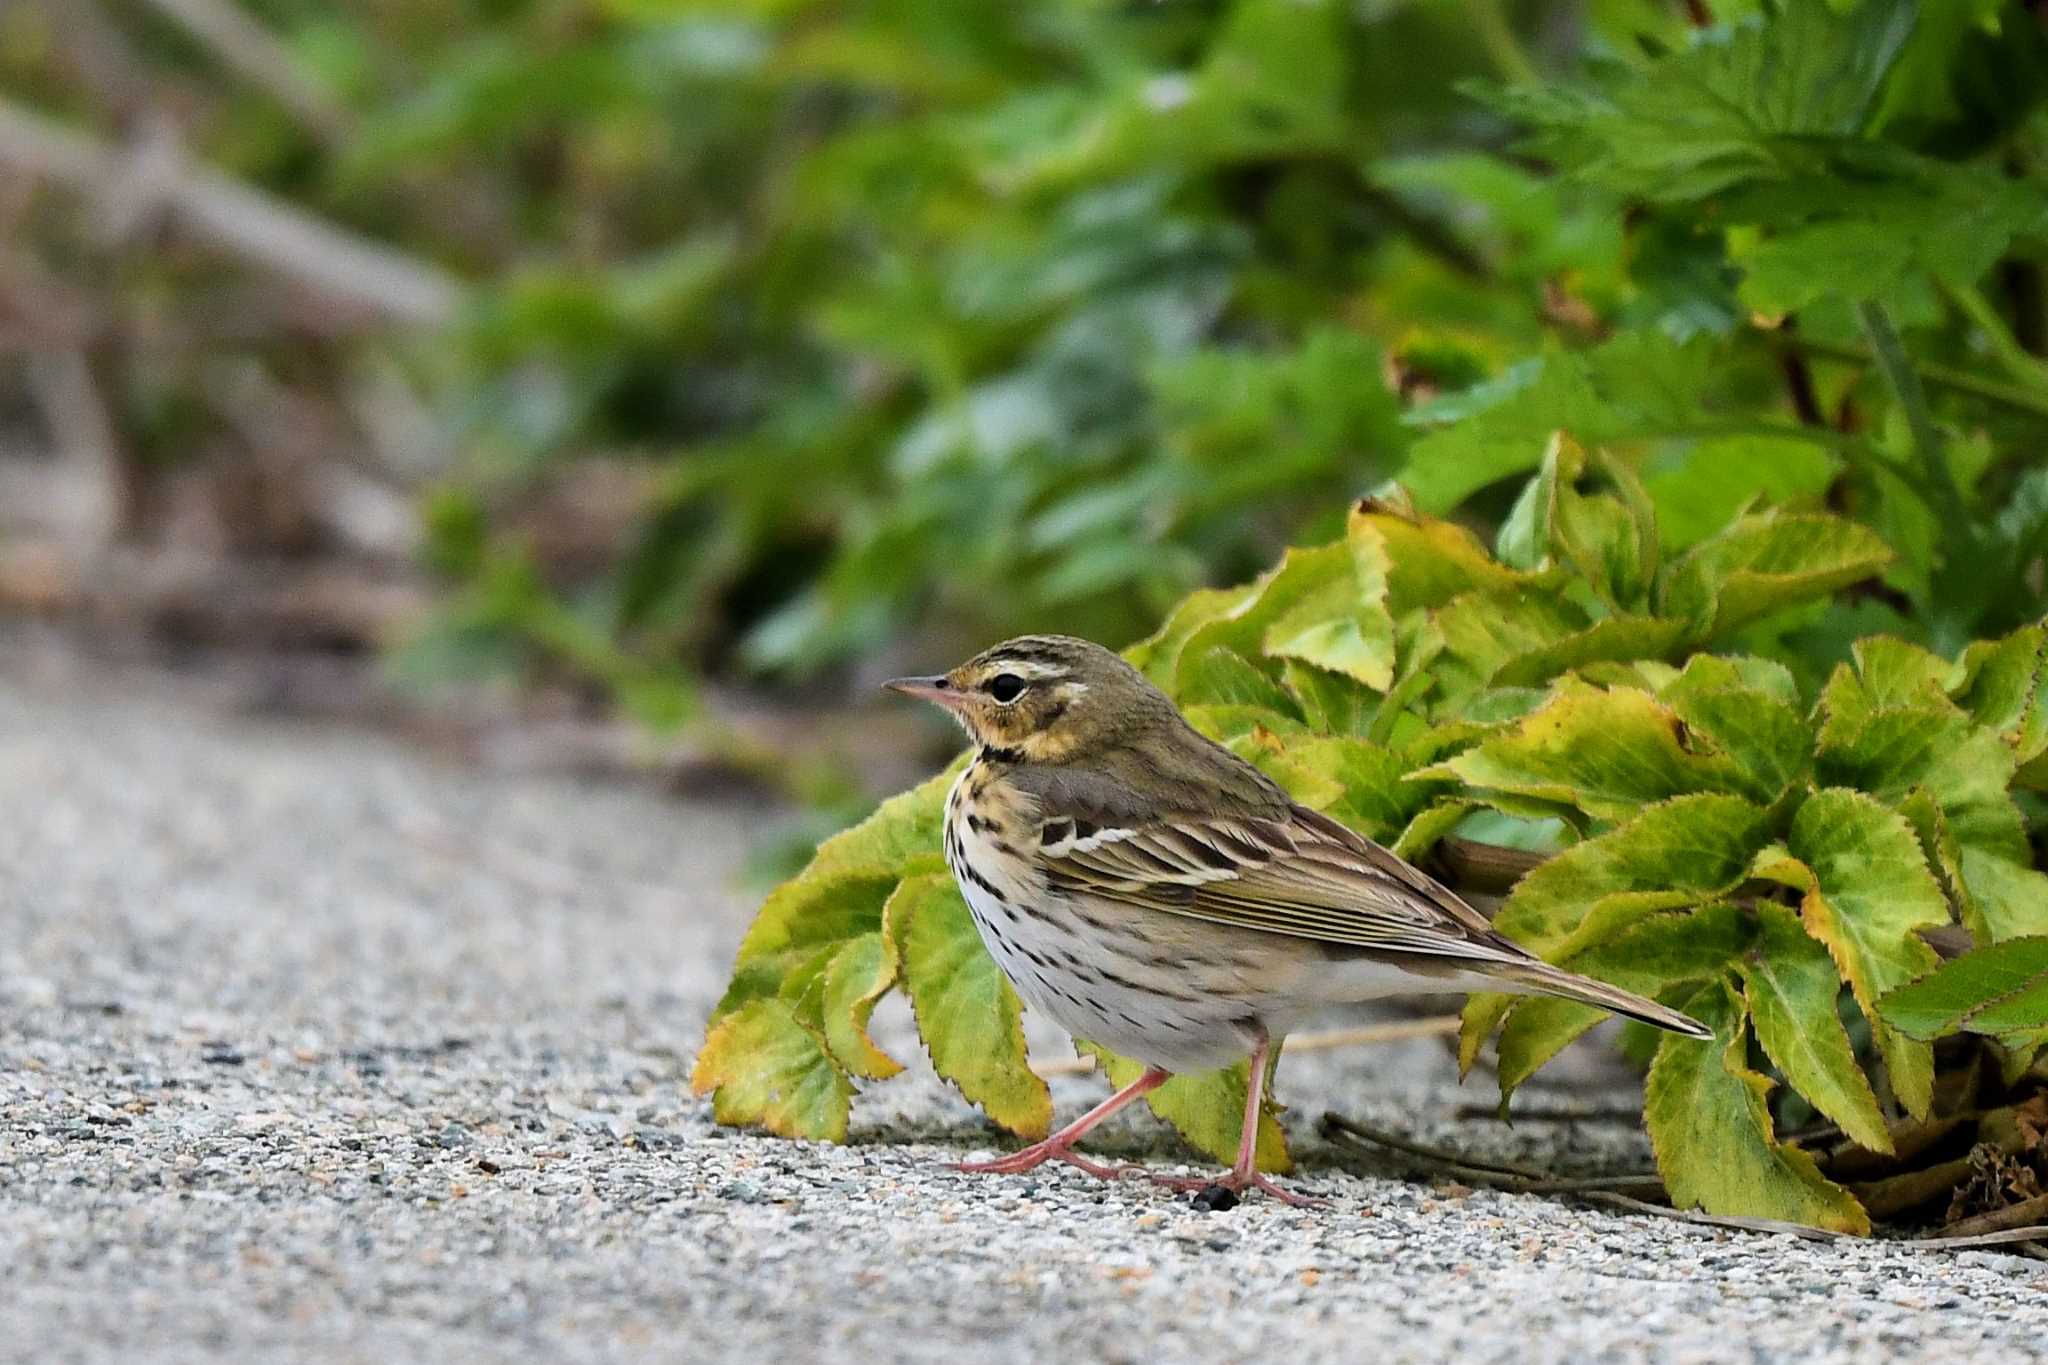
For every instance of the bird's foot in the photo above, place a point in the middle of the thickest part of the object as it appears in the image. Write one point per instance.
(1237, 1182)
(1036, 1155)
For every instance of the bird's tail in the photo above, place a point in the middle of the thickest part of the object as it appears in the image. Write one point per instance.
(1540, 978)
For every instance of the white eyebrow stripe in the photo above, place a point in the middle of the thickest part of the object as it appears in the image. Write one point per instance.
(1034, 670)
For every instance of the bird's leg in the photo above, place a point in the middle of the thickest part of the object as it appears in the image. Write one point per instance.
(1244, 1174)
(1060, 1146)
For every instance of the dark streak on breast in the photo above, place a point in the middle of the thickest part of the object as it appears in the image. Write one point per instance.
(967, 870)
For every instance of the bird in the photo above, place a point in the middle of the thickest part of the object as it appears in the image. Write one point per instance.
(1155, 894)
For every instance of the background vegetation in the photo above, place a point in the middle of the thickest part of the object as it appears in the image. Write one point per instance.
(760, 331)
(757, 336)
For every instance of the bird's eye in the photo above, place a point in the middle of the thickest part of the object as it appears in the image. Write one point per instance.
(1006, 687)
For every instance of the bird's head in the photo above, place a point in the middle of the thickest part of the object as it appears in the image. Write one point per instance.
(1043, 698)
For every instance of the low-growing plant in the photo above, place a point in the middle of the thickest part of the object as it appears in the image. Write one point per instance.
(1770, 861)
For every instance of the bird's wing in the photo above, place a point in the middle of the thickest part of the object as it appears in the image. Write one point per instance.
(1301, 874)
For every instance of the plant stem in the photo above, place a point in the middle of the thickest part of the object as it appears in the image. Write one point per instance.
(1904, 383)
(2023, 367)
(1937, 376)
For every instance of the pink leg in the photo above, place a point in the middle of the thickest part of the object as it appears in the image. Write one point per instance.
(1245, 1173)
(1060, 1146)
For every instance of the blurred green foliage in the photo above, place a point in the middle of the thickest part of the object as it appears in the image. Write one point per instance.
(963, 316)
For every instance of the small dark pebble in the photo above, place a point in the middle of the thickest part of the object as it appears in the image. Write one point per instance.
(1214, 1199)
(488, 1166)
(222, 1056)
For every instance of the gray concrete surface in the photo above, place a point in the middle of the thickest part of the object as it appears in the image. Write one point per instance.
(312, 1048)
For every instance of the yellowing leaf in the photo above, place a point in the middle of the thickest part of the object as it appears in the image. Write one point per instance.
(1429, 561)
(1712, 1133)
(766, 1069)
(1158, 655)
(1791, 986)
(860, 974)
(1868, 891)
(839, 895)
(1345, 627)
(1607, 752)
(1765, 563)
(1682, 852)
(968, 1015)
(1967, 769)
(1207, 1110)
(1999, 683)
(1769, 742)
(2010, 898)
(1321, 606)
(1374, 794)
(903, 829)
(1650, 958)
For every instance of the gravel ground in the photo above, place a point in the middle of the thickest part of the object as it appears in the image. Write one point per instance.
(311, 1048)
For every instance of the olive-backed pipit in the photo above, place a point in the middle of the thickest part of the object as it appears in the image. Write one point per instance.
(1153, 892)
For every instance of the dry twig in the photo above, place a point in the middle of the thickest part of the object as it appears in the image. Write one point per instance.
(339, 264)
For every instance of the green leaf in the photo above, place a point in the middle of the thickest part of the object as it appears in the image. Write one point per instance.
(1331, 703)
(1429, 561)
(1895, 673)
(1157, 656)
(1320, 606)
(1792, 989)
(968, 1015)
(1734, 104)
(1765, 563)
(1650, 957)
(1639, 385)
(1711, 1130)
(2010, 898)
(1533, 662)
(800, 925)
(1683, 852)
(1428, 827)
(2001, 990)
(764, 1068)
(1700, 487)
(1223, 677)
(1376, 796)
(837, 898)
(1967, 769)
(1288, 761)
(1611, 541)
(1206, 1109)
(1230, 723)
(1607, 752)
(1868, 893)
(2000, 686)
(1769, 743)
(902, 830)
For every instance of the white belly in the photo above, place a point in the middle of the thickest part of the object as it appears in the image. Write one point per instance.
(1098, 980)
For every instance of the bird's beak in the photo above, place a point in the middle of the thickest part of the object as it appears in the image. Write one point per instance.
(939, 689)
